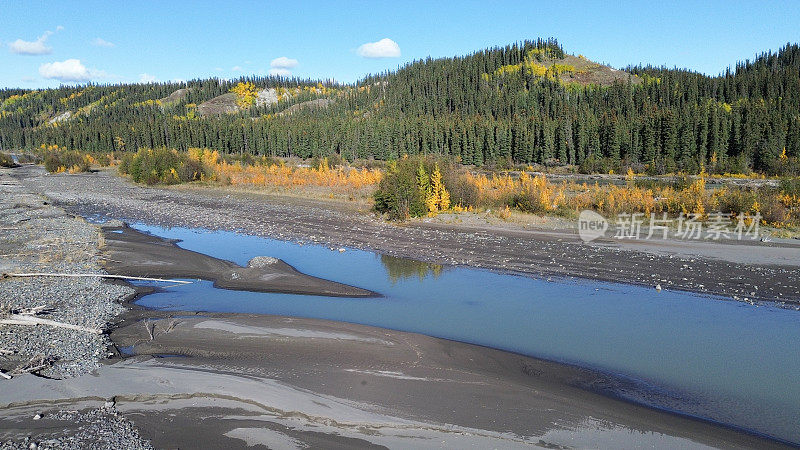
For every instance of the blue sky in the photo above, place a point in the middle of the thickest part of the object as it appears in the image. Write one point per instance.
(115, 41)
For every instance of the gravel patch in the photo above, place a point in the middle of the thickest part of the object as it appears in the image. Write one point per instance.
(36, 236)
(99, 428)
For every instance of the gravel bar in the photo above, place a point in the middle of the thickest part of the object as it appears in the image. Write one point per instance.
(36, 236)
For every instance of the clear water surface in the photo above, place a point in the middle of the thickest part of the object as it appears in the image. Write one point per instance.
(722, 360)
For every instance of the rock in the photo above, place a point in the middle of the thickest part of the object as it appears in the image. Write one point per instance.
(267, 97)
(113, 223)
(320, 103)
(61, 117)
(262, 261)
(37, 417)
(223, 104)
(176, 96)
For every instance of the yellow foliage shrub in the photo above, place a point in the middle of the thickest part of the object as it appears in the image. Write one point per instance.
(281, 175)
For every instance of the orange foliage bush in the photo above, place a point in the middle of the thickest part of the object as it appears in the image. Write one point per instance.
(539, 195)
(264, 173)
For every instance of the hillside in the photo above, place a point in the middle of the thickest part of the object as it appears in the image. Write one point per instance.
(589, 72)
(530, 102)
(221, 104)
(175, 97)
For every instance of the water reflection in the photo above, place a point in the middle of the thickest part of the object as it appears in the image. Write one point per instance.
(399, 269)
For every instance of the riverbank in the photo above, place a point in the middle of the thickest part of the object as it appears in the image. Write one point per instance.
(740, 270)
(36, 236)
(234, 379)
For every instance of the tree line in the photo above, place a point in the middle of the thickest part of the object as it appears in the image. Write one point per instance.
(656, 119)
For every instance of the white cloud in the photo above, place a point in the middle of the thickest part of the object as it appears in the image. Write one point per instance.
(147, 78)
(100, 42)
(280, 72)
(69, 70)
(236, 68)
(283, 63)
(37, 47)
(385, 48)
(282, 67)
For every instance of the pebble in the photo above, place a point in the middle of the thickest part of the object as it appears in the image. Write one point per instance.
(53, 241)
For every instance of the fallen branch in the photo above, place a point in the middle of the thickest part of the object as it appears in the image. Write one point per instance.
(172, 324)
(36, 364)
(27, 320)
(151, 329)
(32, 369)
(91, 275)
(2, 374)
(35, 311)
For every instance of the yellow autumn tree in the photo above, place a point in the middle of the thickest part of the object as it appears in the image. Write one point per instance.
(246, 94)
(119, 143)
(437, 198)
(444, 199)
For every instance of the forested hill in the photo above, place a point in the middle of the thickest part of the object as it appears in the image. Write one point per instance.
(530, 102)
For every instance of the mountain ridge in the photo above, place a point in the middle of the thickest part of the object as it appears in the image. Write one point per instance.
(529, 102)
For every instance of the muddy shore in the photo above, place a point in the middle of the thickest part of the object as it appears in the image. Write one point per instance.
(736, 270)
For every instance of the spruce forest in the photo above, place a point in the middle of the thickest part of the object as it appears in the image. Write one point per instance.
(528, 103)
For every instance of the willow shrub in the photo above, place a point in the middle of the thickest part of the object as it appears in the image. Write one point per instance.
(6, 160)
(66, 161)
(161, 166)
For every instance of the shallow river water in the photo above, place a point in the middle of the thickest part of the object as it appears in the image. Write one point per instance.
(722, 360)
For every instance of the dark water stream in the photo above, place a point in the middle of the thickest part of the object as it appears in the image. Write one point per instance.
(726, 361)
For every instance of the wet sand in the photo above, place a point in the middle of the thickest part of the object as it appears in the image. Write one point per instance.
(234, 379)
(132, 253)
